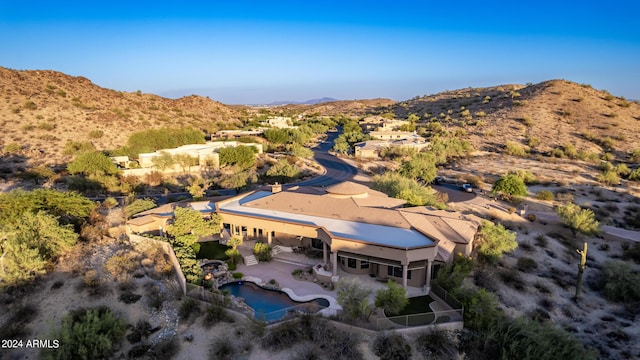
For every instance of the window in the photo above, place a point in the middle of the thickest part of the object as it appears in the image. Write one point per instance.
(364, 264)
(244, 231)
(396, 271)
(351, 263)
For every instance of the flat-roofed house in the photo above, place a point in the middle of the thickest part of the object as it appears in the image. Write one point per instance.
(360, 230)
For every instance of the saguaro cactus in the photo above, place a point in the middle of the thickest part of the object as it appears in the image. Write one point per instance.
(581, 267)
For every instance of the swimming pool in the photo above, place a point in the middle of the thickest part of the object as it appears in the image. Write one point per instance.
(270, 305)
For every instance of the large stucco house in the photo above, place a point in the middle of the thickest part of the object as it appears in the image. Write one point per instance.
(359, 230)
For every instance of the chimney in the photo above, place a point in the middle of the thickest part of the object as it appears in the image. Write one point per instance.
(276, 188)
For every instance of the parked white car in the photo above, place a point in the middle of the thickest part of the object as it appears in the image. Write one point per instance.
(467, 188)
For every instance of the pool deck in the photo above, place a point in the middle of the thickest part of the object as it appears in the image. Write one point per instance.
(281, 267)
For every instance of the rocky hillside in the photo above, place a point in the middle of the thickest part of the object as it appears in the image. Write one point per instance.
(41, 110)
(540, 117)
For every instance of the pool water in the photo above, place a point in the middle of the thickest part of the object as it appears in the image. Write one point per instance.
(270, 305)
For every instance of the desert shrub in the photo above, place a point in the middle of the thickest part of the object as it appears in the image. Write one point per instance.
(634, 175)
(512, 278)
(262, 251)
(392, 299)
(128, 297)
(188, 307)
(511, 210)
(526, 264)
(545, 195)
(436, 344)
(124, 262)
(515, 149)
(141, 330)
(215, 313)
(620, 282)
(557, 153)
(155, 297)
(166, 348)
(609, 178)
(238, 275)
(521, 338)
(531, 217)
(92, 333)
(391, 346)
(222, 348)
(495, 240)
(96, 134)
(632, 253)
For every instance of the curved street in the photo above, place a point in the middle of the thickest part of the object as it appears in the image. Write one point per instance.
(336, 169)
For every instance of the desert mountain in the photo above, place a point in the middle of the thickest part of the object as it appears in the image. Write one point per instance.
(43, 109)
(307, 102)
(544, 116)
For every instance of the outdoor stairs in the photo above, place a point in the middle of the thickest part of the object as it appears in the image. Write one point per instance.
(250, 260)
(280, 249)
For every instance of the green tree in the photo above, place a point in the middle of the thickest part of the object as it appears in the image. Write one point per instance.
(138, 206)
(189, 221)
(92, 333)
(234, 242)
(28, 245)
(392, 299)
(69, 207)
(241, 156)
(92, 163)
(277, 136)
(18, 261)
(397, 186)
(300, 151)
(237, 179)
(420, 167)
(197, 189)
(354, 299)
(283, 170)
(163, 162)
(494, 240)
(510, 185)
(185, 161)
(579, 220)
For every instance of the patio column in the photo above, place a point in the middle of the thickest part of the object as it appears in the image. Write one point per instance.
(428, 280)
(334, 260)
(269, 238)
(405, 271)
(324, 252)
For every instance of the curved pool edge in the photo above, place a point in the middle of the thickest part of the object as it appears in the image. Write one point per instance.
(332, 309)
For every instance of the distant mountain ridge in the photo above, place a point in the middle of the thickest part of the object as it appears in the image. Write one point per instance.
(307, 102)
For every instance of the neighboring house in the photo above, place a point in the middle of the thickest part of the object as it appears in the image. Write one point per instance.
(360, 230)
(227, 134)
(203, 154)
(391, 135)
(371, 149)
(280, 122)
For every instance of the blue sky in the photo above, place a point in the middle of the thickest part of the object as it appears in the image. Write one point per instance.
(258, 52)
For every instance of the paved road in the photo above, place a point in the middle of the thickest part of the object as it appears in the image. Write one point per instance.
(336, 169)
(454, 192)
